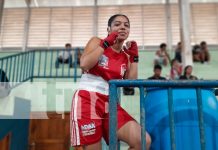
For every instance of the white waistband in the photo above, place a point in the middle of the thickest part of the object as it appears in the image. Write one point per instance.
(93, 83)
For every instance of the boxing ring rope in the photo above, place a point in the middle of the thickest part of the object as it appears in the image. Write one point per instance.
(141, 84)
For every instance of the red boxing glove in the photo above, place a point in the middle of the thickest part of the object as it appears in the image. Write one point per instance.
(109, 40)
(132, 51)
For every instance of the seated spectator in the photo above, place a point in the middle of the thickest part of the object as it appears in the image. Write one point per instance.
(161, 55)
(188, 74)
(176, 70)
(68, 55)
(157, 73)
(205, 52)
(178, 52)
(196, 53)
(65, 56)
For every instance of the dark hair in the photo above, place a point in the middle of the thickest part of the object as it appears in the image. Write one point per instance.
(203, 43)
(162, 45)
(186, 68)
(196, 47)
(173, 60)
(67, 45)
(111, 19)
(157, 67)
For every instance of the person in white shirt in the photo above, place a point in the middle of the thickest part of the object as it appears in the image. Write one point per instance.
(65, 56)
(161, 55)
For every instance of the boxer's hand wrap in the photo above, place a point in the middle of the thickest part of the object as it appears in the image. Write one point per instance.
(132, 51)
(109, 40)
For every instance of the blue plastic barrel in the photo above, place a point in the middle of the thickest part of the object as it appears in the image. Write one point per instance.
(187, 134)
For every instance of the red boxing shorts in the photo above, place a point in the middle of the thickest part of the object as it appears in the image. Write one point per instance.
(90, 118)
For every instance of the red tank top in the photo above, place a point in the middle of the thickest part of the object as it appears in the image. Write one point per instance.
(111, 65)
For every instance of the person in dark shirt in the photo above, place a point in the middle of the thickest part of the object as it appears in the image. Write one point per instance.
(178, 52)
(157, 73)
(205, 52)
(188, 74)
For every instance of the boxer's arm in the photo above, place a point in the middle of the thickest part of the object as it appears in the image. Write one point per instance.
(94, 49)
(132, 72)
(132, 51)
(91, 54)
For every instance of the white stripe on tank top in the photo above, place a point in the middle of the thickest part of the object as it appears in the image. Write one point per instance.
(93, 83)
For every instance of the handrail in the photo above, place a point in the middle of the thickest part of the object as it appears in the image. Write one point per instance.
(141, 84)
(33, 64)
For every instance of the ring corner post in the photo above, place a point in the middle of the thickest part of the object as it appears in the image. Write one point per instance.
(112, 116)
(201, 118)
(142, 117)
(171, 119)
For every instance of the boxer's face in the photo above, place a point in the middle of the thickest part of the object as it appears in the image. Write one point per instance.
(121, 25)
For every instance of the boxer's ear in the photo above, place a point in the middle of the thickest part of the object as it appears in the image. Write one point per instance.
(108, 29)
